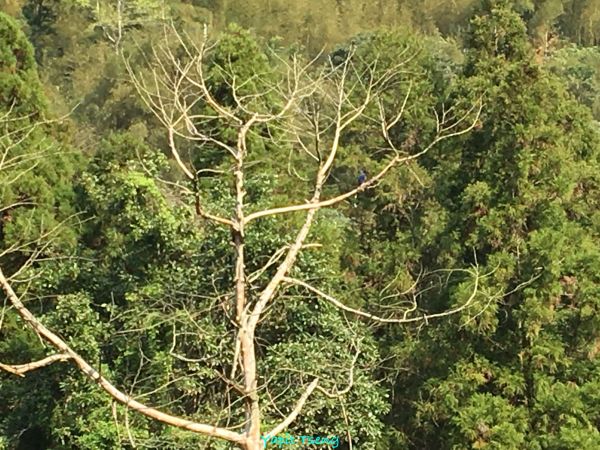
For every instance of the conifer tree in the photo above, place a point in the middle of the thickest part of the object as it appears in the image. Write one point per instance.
(521, 194)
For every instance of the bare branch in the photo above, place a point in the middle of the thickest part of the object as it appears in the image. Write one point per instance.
(299, 405)
(175, 154)
(397, 160)
(102, 382)
(22, 369)
(405, 319)
(337, 393)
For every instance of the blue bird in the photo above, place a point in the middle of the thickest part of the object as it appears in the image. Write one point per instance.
(362, 176)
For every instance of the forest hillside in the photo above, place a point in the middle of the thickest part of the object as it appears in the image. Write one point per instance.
(303, 225)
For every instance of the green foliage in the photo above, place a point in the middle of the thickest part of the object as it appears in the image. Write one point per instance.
(579, 67)
(309, 336)
(37, 170)
(141, 288)
(511, 202)
(20, 89)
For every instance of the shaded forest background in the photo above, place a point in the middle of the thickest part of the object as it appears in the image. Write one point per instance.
(519, 197)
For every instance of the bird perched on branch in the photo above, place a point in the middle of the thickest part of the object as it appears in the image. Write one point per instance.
(362, 176)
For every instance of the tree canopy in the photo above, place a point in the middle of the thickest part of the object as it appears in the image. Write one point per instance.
(240, 226)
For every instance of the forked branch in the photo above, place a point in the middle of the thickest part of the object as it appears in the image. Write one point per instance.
(395, 161)
(102, 382)
(297, 409)
(405, 319)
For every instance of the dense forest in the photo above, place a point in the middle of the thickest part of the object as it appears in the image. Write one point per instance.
(301, 225)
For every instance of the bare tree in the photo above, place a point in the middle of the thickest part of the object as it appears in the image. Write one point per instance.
(114, 17)
(312, 107)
